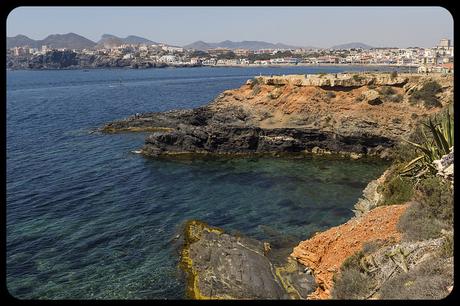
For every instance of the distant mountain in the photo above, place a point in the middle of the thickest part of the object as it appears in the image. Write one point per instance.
(109, 41)
(132, 39)
(20, 41)
(251, 45)
(70, 41)
(112, 40)
(352, 45)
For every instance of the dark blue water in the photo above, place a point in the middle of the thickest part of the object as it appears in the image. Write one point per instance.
(87, 219)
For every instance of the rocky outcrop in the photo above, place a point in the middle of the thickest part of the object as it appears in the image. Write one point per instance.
(342, 80)
(325, 252)
(221, 139)
(445, 166)
(222, 266)
(348, 114)
(67, 59)
(403, 259)
(371, 197)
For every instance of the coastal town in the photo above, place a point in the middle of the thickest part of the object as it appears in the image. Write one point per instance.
(438, 58)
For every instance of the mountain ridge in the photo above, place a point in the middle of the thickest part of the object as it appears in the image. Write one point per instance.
(245, 44)
(352, 45)
(69, 40)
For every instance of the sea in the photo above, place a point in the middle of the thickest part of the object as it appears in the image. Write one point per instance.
(86, 218)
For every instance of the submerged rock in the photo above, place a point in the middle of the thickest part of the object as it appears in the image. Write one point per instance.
(222, 266)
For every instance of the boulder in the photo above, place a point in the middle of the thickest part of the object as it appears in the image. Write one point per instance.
(372, 97)
(222, 266)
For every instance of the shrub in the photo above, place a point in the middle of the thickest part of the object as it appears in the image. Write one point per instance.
(427, 94)
(352, 282)
(447, 249)
(393, 74)
(432, 146)
(386, 90)
(428, 280)
(360, 98)
(395, 98)
(330, 94)
(255, 89)
(436, 197)
(357, 77)
(431, 212)
(396, 189)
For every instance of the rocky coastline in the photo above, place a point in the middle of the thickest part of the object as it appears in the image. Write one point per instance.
(352, 115)
(347, 114)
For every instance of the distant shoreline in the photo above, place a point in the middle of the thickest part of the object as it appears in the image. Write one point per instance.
(222, 66)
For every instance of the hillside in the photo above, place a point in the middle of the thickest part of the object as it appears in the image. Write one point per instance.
(352, 45)
(131, 39)
(69, 41)
(251, 45)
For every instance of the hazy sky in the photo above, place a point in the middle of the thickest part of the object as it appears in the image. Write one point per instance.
(300, 26)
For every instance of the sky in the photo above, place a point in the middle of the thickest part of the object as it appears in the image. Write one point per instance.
(299, 26)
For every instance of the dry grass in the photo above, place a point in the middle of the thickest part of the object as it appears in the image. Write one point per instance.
(429, 280)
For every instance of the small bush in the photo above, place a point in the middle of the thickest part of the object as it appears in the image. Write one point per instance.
(413, 116)
(447, 249)
(255, 89)
(416, 225)
(404, 152)
(386, 91)
(330, 94)
(427, 94)
(429, 280)
(393, 74)
(352, 282)
(431, 212)
(360, 98)
(396, 189)
(436, 196)
(397, 98)
(357, 77)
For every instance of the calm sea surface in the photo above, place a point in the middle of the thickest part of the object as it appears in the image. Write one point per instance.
(87, 219)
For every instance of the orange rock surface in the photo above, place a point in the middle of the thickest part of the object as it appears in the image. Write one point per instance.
(325, 252)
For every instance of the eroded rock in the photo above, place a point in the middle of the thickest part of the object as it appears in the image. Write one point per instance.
(222, 266)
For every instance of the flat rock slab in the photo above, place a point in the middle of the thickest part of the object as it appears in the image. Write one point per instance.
(222, 266)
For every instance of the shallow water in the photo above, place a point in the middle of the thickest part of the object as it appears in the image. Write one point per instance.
(86, 218)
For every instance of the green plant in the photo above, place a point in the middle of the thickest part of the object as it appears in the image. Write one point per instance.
(395, 98)
(396, 190)
(360, 98)
(431, 211)
(386, 90)
(352, 282)
(427, 94)
(433, 147)
(255, 90)
(428, 280)
(357, 77)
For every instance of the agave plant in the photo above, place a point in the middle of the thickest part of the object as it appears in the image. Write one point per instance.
(437, 143)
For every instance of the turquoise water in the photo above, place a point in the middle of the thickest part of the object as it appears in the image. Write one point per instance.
(87, 219)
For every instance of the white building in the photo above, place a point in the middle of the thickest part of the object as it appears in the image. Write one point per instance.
(168, 59)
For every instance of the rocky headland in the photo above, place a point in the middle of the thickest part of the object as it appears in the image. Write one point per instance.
(354, 115)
